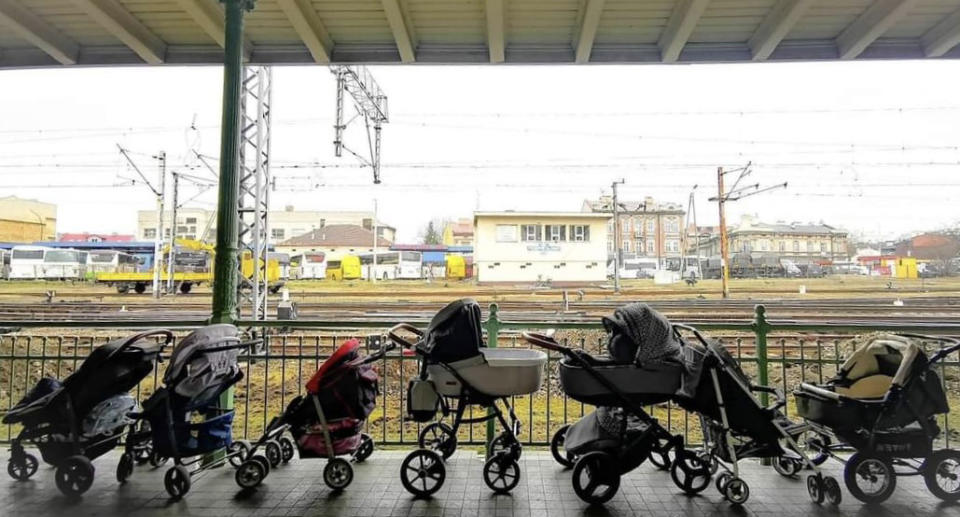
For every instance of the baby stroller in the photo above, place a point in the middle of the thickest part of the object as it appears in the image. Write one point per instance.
(883, 403)
(456, 367)
(78, 420)
(643, 368)
(325, 423)
(736, 425)
(184, 415)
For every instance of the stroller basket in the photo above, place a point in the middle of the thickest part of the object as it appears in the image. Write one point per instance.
(192, 438)
(651, 384)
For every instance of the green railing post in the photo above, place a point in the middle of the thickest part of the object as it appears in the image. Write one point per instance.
(493, 330)
(760, 329)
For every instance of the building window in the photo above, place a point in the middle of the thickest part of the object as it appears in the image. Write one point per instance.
(626, 246)
(368, 223)
(673, 226)
(823, 247)
(531, 232)
(651, 226)
(610, 246)
(166, 232)
(580, 233)
(796, 246)
(276, 233)
(651, 246)
(191, 220)
(149, 233)
(557, 232)
(809, 246)
(182, 229)
(673, 245)
(506, 233)
(783, 246)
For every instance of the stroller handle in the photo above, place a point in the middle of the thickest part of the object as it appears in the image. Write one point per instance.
(955, 345)
(401, 341)
(380, 354)
(545, 341)
(130, 341)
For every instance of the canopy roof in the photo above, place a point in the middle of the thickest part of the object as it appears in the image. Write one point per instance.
(136, 32)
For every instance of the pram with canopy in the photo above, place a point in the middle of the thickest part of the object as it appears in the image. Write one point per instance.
(884, 404)
(456, 368)
(83, 417)
(186, 420)
(324, 423)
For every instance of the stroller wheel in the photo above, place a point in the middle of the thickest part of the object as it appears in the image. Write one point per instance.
(504, 443)
(596, 477)
(438, 436)
(787, 467)
(689, 472)
(422, 472)
(337, 474)
(710, 461)
(239, 450)
(736, 491)
(831, 489)
(501, 473)
(721, 481)
(364, 450)
(74, 475)
(22, 467)
(250, 474)
(286, 449)
(125, 467)
(941, 472)
(815, 488)
(556, 448)
(156, 460)
(870, 479)
(142, 454)
(273, 453)
(263, 463)
(177, 481)
(660, 456)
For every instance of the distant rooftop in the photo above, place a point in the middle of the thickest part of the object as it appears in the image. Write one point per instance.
(336, 235)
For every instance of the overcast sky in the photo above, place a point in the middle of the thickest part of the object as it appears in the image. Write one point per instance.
(871, 147)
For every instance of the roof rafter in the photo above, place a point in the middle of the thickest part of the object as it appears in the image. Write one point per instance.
(38, 32)
(496, 30)
(401, 31)
(309, 27)
(942, 37)
(113, 17)
(210, 18)
(587, 30)
(682, 21)
(876, 20)
(775, 26)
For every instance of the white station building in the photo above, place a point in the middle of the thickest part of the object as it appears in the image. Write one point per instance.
(526, 247)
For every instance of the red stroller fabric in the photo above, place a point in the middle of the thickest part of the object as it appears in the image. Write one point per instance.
(346, 352)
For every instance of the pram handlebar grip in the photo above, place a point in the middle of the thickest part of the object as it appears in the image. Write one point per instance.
(401, 341)
(143, 335)
(943, 339)
(545, 341)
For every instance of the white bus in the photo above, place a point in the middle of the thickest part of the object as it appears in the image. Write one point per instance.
(110, 261)
(393, 265)
(4, 264)
(26, 262)
(64, 264)
(310, 266)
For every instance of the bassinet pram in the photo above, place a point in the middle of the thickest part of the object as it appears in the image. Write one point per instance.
(883, 403)
(324, 423)
(80, 419)
(185, 417)
(457, 368)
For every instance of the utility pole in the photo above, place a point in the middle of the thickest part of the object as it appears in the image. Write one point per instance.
(734, 194)
(373, 271)
(158, 245)
(616, 237)
(171, 254)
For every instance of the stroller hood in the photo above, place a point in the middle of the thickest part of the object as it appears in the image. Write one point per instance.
(197, 364)
(454, 333)
(639, 334)
(345, 353)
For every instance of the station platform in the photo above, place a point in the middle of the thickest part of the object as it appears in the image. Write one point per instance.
(297, 489)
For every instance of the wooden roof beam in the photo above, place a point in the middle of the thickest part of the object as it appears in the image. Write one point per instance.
(38, 32)
(401, 30)
(775, 26)
(113, 17)
(942, 37)
(496, 30)
(682, 21)
(208, 15)
(876, 20)
(587, 30)
(309, 27)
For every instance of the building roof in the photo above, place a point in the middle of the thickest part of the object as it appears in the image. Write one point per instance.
(93, 237)
(605, 203)
(789, 229)
(337, 235)
(526, 215)
(462, 227)
(152, 32)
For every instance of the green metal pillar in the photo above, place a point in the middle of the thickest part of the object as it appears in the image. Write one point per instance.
(493, 330)
(761, 328)
(225, 262)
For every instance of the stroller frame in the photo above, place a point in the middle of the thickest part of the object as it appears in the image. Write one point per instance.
(278, 447)
(501, 471)
(720, 434)
(75, 471)
(828, 443)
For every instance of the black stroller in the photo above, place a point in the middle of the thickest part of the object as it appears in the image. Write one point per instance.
(883, 403)
(643, 368)
(184, 415)
(736, 425)
(78, 420)
(456, 367)
(326, 422)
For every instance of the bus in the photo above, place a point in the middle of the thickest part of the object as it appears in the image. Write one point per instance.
(456, 266)
(347, 268)
(311, 266)
(110, 261)
(4, 264)
(26, 262)
(393, 265)
(64, 264)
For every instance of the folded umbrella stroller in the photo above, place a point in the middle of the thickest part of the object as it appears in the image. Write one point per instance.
(456, 368)
(884, 403)
(736, 425)
(324, 423)
(83, 417)
(643, 367)
(185, 417)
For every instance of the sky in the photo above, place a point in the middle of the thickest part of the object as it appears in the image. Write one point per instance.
(872, 147)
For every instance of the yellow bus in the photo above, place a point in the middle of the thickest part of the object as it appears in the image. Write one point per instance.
(456, 266)
(347, 268)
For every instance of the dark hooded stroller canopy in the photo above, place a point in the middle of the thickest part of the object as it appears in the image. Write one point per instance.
(639, 334)
(198, 365)
(454, 333)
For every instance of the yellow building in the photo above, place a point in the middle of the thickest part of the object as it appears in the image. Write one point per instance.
(558, 247)
(27, 220)
(458, 233)
(904, 267)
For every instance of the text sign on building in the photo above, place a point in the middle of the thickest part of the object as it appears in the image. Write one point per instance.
(544, 247)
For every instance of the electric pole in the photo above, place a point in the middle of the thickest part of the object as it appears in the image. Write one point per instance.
(724, 253)
(616, 237)
(159, 193)
(373, 270)
(171, 253)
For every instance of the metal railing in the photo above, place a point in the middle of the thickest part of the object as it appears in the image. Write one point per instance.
(780, 353)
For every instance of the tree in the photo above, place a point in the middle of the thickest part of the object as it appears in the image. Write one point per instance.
(432, 233)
